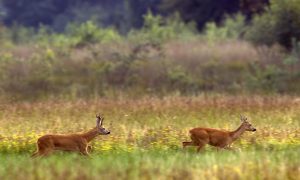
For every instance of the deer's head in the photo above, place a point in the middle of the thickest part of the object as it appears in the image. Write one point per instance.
(100, 128)
(248, 126)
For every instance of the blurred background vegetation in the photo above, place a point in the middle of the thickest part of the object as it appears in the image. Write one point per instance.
(107, 48)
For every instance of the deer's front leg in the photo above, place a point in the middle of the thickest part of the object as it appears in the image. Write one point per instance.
(89, 148)
(83, 149)
(84, 152)
(229, 148)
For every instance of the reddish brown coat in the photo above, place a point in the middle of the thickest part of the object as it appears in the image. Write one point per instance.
(69, 142)
(215, 137)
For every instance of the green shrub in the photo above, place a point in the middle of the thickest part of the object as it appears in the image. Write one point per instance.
(157, 29)
(232, 28)
(19, 34)
(5, 37)
(165, 56)
(90, 33)
(294, 57)
(270, 79)
(279, 24)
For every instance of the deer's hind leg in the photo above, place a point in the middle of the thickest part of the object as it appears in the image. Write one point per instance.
(42, 152)
(44, 148)
(194, 142)
(201, 146)
(35, 154)
(184, 144)
(46, 152)
(200, 139)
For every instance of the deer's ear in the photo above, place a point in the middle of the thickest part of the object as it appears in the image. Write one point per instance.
(243, 119)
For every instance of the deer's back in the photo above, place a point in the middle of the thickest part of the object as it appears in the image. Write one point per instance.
(58, 139)
(214, 137)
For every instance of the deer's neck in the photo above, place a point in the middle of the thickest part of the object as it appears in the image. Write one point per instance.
(91, 134)
(237, 133)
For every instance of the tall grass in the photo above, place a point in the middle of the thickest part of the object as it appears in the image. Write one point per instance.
(175, 67)
(156, 165)
(166, 56)
(146, 136)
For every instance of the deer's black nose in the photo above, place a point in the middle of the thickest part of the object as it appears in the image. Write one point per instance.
(108, 132)
(254, 129)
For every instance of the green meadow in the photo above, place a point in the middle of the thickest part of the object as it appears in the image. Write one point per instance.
(146, 136)
(154, 69)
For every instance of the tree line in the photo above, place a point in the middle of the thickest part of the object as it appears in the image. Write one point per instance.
(121, 14)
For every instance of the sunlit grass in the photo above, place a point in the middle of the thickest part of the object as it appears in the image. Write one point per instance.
(152, 164)
(146, 136)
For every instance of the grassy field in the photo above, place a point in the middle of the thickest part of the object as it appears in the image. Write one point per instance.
(146, 136)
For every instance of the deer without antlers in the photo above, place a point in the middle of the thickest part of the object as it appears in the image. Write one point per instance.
(70, 142)
(218, 138)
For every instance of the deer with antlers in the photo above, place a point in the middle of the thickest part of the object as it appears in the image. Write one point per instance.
(215, 137)
(70, 142)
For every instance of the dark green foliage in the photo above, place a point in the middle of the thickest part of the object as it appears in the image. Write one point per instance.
(157, 29)
(33, 13)
(202, 11)
(122, 14)
(138, 8)
(57, 13)
(164, 56)
(89, 33)
(252, 7)
(107, 68)
(279, 24)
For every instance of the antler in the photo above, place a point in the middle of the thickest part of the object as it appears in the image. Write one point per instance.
(99, 120)
(243, 118)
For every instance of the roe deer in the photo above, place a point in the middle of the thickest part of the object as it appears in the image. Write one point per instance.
(70, 142)
(218, 138)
